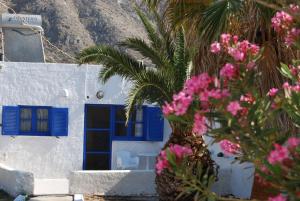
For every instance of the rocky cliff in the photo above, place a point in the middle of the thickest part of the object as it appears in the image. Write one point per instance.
(75, 24)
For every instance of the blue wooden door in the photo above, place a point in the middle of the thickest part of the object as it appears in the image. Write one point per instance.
(97, 137)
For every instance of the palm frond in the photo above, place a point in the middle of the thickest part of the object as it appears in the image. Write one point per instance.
(144, 49)
(216, 18)
(113, 60)
(180, 58)
(152, 34)
(150, 86)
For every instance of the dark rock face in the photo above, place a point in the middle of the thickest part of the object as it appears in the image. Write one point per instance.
(76, 24)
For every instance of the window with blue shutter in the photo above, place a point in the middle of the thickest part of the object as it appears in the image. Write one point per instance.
(154, 124)
(34, 121)
(145, 124)
(10, 120)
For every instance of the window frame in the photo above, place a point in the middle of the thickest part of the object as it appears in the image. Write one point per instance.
(33, 131)
(129, 134)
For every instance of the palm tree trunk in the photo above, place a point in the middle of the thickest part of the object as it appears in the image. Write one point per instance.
(169, 187)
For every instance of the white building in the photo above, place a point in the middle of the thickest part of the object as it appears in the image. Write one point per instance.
(53, 123)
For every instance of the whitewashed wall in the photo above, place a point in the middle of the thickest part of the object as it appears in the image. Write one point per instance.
(44, 84)
(117, 182)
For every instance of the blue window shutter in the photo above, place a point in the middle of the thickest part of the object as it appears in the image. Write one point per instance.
(59, 119)
(154, 124)
(10, 120)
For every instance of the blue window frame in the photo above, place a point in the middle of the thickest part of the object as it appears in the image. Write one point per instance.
(34, 121)
(135, 127)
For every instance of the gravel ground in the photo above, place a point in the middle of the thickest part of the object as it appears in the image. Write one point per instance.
(107, 198)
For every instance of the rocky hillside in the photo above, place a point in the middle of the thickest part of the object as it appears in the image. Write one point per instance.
(75, 24)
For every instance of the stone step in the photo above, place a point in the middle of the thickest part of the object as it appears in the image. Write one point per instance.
(52, 198)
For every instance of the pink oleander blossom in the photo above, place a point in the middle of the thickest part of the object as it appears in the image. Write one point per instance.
(225, 39)
(199, 124)
(296, 88)
(293, 142)
(286, 85)
(236, 54)
(251, 65)
(282, 21)
(215, 47)
(243, 46)
(272, 92)
(229, 147)
(233, 107)
(235, 39)
(294, 8)
(228, 71)
(197, 83)
(248, 98)
(278, 155)
(291, 36)
(181, 103)
(180, 151)
(167, 109)
(254, 49)
(162, 162)
(279, 197)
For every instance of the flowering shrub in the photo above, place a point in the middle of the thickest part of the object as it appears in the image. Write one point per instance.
(283, 23)
(171, 157)
(247, 118)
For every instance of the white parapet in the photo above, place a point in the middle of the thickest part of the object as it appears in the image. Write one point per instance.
(16, 182)
(51, 187)
(113, 182)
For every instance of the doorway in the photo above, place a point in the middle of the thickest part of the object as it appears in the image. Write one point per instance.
(97, 137)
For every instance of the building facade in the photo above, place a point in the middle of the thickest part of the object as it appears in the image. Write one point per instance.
(58, 118)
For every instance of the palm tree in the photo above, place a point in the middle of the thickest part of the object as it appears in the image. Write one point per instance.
(206, 20)
(168, 68)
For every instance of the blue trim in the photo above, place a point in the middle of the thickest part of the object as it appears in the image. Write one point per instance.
(84, 141)
(85, 152)
(34, 120)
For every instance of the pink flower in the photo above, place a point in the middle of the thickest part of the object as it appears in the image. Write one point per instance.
(229, 147)
(272, 92)
(293, 142)
(235, 39)
(248, 98)
(291, 36)
(197, 83)
(254, 49)
(199, 124)
(181, 103)
(225, 39)
(215, 47)
(236, 54)
(180, 151)
(294, 8)
(251, 65)
(282, 21)
(162, 162)
(296, 88)
(286, 85)
(167, 109)
(278, 155)
(233, 107)
(279, 197)
(243, 46)
(204, 96)
(228, 71)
